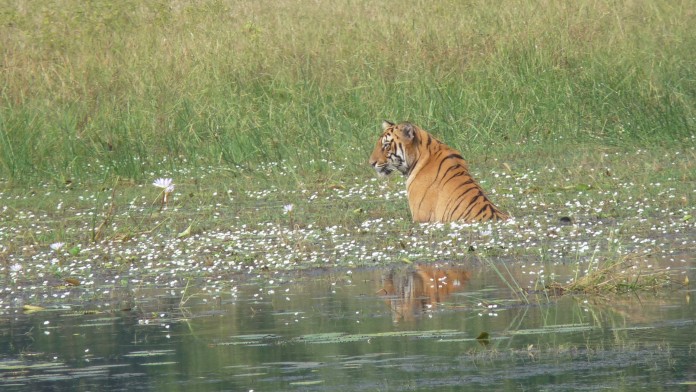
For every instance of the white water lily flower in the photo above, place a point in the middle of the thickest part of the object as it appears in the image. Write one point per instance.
(164, 183)
(57, 246)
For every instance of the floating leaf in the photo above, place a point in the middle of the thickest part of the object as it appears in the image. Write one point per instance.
(568, 328)
(256, 336)
(185, 233)
(340, 337)
(13, 365)
(307, 383)
(250, 374)
(483, 338)
(32, 308)
(150, 353)
(74, 251)
(321, 337)
(159, 363)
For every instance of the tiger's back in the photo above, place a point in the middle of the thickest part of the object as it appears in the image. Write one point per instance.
(439, 186)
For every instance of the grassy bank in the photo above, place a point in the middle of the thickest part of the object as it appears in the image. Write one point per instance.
(92, 91)
(597, 209)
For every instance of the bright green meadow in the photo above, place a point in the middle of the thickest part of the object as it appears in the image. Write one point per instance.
(102, 89)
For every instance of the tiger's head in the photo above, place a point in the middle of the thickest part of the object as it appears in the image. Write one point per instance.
(395, 149)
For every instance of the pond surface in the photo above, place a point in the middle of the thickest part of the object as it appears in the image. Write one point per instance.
(439, 326)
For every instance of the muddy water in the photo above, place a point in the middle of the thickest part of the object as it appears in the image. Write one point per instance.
(411, 327)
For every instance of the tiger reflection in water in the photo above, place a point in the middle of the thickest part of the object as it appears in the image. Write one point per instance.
(415, 290)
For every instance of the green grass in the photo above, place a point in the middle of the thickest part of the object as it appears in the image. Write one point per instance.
(96, 90)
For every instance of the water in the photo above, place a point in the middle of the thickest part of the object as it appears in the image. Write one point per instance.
(411, 327)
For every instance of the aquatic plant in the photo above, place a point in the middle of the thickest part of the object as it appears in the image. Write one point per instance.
(167, 187)
(228, 228)
(57, 246)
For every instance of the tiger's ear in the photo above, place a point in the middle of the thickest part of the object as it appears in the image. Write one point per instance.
(408, 130)
(386, 124)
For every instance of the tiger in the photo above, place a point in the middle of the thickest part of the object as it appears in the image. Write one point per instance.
(413, 290)
(438, 184)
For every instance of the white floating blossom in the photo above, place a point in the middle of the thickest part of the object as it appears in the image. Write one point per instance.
(166, 184)
(163, 183)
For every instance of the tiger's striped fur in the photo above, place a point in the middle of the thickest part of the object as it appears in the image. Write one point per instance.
(439, 186)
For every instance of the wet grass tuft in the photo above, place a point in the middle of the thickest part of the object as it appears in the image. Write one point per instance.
(620, 276)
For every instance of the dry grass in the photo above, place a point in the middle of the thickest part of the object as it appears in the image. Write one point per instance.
(628, 273)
